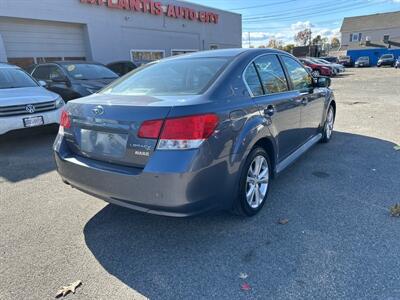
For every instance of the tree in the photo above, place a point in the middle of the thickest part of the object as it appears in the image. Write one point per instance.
(274, 43)
(335, 43)
(317, 40)
(288, 48)
(303, 37)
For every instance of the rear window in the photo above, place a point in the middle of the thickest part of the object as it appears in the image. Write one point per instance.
(189, 76)
(89, 71)
(15, 78)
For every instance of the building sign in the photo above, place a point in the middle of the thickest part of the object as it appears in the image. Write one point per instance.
(157, 9)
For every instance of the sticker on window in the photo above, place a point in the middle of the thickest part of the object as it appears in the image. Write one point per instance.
(71, 68)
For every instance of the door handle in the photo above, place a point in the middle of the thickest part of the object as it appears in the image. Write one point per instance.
(269, 111)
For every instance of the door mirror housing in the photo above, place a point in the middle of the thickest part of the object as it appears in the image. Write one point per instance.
(322, 82)
(60, 79)
(42, 83)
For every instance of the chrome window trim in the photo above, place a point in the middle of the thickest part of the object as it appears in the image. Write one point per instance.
(248, 87)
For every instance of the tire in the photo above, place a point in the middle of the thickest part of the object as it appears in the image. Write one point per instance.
(315, 73)
(248, 204)
(328, 126)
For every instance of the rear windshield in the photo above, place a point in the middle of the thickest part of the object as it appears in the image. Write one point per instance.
(189, 76)
(89, 72)
(11, 78)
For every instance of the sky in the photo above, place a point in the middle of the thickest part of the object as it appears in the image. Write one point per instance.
(281, 19)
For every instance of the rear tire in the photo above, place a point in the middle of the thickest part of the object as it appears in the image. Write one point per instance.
(254, 184)
(328, 126)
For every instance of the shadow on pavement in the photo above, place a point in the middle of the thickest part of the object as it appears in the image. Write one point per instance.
(339, 239)
(27, 153)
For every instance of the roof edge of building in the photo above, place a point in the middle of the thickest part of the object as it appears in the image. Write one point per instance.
(210, 7)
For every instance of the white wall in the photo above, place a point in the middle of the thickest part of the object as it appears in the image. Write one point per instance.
(108, 29)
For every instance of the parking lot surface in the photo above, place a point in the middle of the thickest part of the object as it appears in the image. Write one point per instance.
(340, 242)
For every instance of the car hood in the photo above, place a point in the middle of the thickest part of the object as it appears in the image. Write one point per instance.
(95, 84)
(28, 95)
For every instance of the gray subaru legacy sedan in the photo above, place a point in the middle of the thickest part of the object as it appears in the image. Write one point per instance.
(193, 133)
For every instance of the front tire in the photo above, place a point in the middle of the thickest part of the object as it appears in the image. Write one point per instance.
(254, 183)
(328, 126)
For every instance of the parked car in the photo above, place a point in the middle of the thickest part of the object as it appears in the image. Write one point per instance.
(211, 134)
(24, 102)
(72, 79)
(122, 67)
(345, 61)
(331, 59)
(337, 68)
(362, 61)
(318, 69)
(386, 60)
(397, 64)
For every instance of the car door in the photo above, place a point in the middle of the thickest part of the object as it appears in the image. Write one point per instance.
(50, 74)
(311, 100)
(275, 102)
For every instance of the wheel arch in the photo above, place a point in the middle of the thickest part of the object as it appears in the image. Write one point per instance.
(333, 104)
(269, 146)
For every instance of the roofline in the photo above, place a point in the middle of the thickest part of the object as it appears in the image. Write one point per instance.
(364, 16)
(368, 16)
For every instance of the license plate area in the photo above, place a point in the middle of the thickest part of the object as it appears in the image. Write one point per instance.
(103, 143)
(33, 121)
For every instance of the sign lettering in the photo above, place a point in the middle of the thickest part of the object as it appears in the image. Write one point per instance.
(156, 8)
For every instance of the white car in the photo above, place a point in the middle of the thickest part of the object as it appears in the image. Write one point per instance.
(24, 102)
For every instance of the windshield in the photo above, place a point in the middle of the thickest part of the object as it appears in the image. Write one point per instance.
(364, 58)
(323, 61)
(89, 71)
(11, 78)
(317, 61)
(387, 56)
(190, 76)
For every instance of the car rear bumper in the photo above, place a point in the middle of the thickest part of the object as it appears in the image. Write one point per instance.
(17, 122)
(162, 193)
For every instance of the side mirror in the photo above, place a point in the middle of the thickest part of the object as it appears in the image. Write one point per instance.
(322, 82)
(42, 83)
(60, 79)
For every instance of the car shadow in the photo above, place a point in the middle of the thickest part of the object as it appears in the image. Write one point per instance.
(27, 153)
(333, 197)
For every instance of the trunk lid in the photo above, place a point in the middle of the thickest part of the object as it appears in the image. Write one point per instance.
(105, 127)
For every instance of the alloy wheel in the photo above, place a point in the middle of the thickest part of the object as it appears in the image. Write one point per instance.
(330, 119)
(257, 181)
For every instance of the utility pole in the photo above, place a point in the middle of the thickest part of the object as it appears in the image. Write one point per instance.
(249, 40)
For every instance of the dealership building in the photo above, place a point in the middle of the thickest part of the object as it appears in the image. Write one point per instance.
(111, 30)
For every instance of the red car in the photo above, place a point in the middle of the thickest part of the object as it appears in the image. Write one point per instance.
(317, 69)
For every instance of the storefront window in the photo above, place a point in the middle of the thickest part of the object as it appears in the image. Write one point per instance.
(175, 52)
(141, 57)
(75, 58)
(41, 60)
(22, 62)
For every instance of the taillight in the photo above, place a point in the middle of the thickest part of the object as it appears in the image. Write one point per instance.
(180, 133)
(150, 129)
(65, 120)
